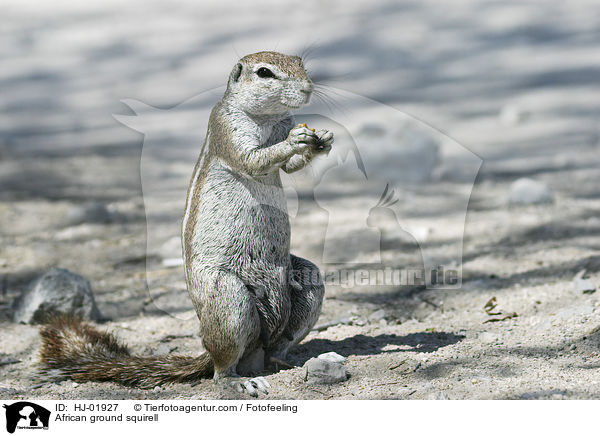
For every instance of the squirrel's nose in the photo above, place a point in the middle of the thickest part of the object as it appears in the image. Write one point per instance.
(307, 95)
(308, 88)
(307, 91)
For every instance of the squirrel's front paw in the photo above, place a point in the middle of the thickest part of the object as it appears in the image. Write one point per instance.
(325, 139)
(303, 139)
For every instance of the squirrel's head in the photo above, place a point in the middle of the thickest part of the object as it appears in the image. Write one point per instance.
(269, 83)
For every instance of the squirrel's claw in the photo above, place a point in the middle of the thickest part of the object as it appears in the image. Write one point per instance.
(325, 136)
(325, 140)
(254, 386)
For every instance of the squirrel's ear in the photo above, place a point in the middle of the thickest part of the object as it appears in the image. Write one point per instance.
(235, 73)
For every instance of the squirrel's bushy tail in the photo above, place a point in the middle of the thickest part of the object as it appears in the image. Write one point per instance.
(73, 348)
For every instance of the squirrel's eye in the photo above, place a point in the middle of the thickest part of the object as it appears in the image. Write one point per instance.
(264, 73)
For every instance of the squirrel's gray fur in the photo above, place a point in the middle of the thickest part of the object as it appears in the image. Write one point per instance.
(252, 297)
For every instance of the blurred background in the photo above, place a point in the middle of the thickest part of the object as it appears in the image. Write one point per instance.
(515, 84)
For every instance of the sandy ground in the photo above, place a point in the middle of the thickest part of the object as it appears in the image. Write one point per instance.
(457, 67)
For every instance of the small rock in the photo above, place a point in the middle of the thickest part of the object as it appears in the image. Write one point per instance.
(585, 286)
(333, 357)
(172, 262)
(170, 252)
(406, 366)
(7, 360)
(58, 291)
(164, 349)
(582, 284)
(75, 232)
(88, 213)
(529, 191)
(377, 315)
(320, 371)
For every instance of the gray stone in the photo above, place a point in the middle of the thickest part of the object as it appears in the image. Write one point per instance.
(377, 315)
(359, 322)
(7, 360)
(58, 291)
(528, 191)
(333, 357)
(582, 284)
(164, 349)
(172, 262)
(88, 213)
(319, 371)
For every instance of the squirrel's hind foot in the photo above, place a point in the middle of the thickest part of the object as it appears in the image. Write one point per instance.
(240, 385)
